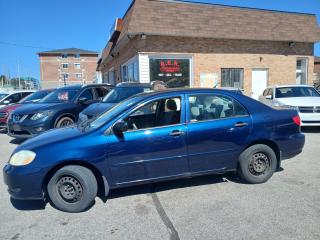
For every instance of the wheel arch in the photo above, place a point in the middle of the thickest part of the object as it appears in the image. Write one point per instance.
(72, 116)
(270, 144)
(103, 186)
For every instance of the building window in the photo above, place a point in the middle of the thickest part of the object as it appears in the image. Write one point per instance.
(301, 71)
(77, 66)
(64, 55)
(130, 72)
(65, 65)
(174, 72)
(232, 77)
(77, 55)
(65, 76)
(78, 75)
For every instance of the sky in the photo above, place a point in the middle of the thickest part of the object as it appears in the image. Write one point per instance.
(31, 26)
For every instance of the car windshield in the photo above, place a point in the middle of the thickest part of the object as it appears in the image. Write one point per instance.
(34, 97)
(119, 94)
(290, 92)
(60, 96)
(3, 95)
(110, 114)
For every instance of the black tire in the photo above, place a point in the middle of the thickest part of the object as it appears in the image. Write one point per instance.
(64, 122)
(257, 164)
(72, 189)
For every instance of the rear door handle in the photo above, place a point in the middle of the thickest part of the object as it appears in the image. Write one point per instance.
(176, 133)
(241, 124)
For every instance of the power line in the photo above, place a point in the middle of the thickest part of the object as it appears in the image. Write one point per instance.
(22, 45)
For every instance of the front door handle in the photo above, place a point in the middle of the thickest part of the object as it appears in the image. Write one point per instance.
(241, 124)
(176, 133)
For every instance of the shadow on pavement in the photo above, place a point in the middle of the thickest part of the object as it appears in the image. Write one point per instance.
(174, 184)
(17, 141)
(310, 129)
(28, 205)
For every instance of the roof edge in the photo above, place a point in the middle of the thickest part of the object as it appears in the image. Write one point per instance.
(231, 6)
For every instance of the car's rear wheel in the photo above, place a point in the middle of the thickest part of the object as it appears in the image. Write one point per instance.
(72, 188)
(257, 164)
(64, 122)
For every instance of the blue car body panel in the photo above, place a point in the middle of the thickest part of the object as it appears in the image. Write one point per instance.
(153, 154)
(97, 108)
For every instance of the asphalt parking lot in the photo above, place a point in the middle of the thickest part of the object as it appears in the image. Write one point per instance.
(210, 207)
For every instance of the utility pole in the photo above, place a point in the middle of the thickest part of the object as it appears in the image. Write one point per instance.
(19, 75)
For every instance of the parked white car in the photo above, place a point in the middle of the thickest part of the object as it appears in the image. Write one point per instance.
(303, 98)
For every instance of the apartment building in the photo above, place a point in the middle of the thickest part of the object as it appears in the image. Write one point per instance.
(67, 66)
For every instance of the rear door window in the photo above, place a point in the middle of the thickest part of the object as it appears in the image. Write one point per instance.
(205, 107)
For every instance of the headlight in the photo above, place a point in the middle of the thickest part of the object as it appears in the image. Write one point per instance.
(22, 158)
(40, 115)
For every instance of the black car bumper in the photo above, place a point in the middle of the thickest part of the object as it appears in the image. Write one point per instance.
(27, 130)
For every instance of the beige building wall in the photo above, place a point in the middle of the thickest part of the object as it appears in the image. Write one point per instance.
(281, 69)
(210, 55)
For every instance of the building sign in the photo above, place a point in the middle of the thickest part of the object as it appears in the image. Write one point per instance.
(208, 80)
(174, 72)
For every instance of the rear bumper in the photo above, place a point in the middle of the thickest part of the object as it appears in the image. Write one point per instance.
(24, 182)
(291, 146)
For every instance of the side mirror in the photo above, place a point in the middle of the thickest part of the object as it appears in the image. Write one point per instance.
(269, 97)
(6, 102)
(120, 127)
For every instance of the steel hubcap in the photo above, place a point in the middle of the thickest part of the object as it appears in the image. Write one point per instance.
(69, 189)
(66, 123)
(259, 164)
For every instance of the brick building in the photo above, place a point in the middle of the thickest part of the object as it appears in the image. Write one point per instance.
(206, 45)
(70, 66)
(317, 71)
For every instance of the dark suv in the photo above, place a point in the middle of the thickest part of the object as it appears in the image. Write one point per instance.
(58, 109)
(121, 92)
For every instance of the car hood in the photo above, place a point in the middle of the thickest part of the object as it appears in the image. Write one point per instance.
(10, 108)
(36, 107)
(98, 108)
(50, 137)
(300, 101)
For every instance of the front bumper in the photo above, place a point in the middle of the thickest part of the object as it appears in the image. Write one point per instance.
(27, 129)
(3, 125)
(310, 119)
(24, 182)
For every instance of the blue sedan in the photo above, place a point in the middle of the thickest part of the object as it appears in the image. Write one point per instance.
(155, 136)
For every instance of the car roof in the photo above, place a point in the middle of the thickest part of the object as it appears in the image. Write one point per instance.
(79, 86)
(185, 90)
(133, 84)
(290, 85)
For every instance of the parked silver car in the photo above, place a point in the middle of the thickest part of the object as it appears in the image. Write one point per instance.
(303, 98)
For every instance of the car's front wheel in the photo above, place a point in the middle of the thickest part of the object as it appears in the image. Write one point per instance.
(64, 122)
(257, 164)
(72, 188)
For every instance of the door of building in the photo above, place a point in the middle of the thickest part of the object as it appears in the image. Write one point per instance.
(259, 82)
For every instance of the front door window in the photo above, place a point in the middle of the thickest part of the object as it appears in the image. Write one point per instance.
(159, 113)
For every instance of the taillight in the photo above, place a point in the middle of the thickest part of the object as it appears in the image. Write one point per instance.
(297, 120)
